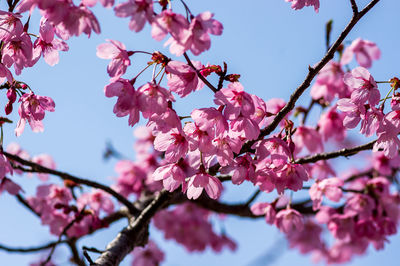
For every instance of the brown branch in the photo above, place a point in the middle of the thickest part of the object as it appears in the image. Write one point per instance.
(354, 6)
(199, 74)
(335, 154)
(307, 111)
(253, 197)
(31, 249)
(76, 258)
(135, 234)
(37, 168)
(64, 232)
(313, 71)
(243, 210)
(24, 202)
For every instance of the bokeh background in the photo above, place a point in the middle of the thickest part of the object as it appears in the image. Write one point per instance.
(266, 42)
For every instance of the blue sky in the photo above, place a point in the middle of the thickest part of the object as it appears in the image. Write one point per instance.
(266, 42)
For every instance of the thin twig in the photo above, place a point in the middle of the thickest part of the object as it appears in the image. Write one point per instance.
(65, 176)
(199, 74)
(335, 154)
(252, 198)
(64, 232)
(31, 249)
(133, 235)
(76, 258)
(354, 6)
(24, 202)
(313, 71)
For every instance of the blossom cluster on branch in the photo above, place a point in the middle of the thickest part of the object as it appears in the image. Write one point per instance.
(183, 160)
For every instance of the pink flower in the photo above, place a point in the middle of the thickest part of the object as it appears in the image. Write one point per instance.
(308, 239)
(77, 20)
(289, 221)
(172, 175)
(10, 25)
(242, 168)
(140, 11)
(366, 228)
(127, 103)
(329, 83)
(116, 51)
(198, 139)
(299, 4)
(331, 125)
(245, 128)
(169, 22)
(291, 176)
(97, 200)
(47, 45)
(341, 226)
(182, 78)
(46, 161)
(5, 166)
(131, 177)
(5, 74)
(387, 140)
(329, 187)
(365, 52)
(105, 3)
(276, 147)
(383, 164)
(224, 147)
(266, 209)
(32, 109)
(149, 255)
(174, 144)
(197, 38)
(8, 185)
(210, 120)
(236, 101)
(201, 181)
(321, 170)
(371, 121)
(164, 122)
(353, 112)
(360, 205)
(364, 85)
(260, 111)
(18, 50)
(153, 99)
(395, 101)
(308, 137)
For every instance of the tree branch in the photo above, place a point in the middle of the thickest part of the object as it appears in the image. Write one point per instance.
(134, 234)
(31, 249)
(199, 74)
(335, 154)
(76, 258)
(23, 201)
(354, 6)
(313, 71)
(65, 176)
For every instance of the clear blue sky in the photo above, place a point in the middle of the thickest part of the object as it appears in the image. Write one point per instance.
(267, 42)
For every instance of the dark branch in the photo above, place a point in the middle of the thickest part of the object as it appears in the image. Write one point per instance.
(199, 74)
(354, 6)
(135, 234)
(76, 258)
(335, 154)
(23, 201)
(37, 168)
(253, 197)
(313, 71)
(64, 232)
(30, 249)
